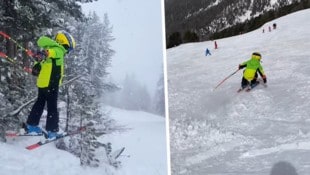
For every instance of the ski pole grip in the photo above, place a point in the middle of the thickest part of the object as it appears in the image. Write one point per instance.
(29, 52)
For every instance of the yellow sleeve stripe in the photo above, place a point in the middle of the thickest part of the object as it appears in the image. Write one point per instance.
(51, 53)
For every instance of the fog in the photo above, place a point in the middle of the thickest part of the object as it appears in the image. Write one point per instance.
(137, 29)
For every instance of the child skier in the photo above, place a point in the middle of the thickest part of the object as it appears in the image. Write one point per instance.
(208, 52)
(252, 66)
(50, 73)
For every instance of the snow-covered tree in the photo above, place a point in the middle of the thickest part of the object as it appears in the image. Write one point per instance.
(159, 98)
(90, 60)
(25, 21)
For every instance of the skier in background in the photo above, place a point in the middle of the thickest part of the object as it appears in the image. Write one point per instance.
(208, 52)
(252, 66)
(50, 72)
(274, 25)
(215, 45)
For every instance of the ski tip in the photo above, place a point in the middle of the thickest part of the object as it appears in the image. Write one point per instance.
(119, 153)
(34, 146)
(11, 135)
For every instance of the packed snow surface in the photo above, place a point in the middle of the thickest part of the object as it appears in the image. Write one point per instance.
(145, 151)
(222, 132)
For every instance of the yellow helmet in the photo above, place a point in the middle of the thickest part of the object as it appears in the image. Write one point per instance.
(64, 38)
(256, 56)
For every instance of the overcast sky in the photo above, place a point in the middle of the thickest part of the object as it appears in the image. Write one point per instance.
(137, 29)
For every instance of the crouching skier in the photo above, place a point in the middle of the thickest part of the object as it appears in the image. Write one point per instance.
(50, 72)
(252, 66)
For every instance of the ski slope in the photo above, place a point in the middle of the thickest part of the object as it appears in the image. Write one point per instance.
(222, 132)
(144, 142)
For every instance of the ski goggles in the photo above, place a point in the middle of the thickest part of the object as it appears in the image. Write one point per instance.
(257, 57)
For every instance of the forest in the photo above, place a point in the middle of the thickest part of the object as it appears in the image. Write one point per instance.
(22, 23)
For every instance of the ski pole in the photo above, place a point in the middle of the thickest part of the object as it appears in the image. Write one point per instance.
(226, 78)
(3, 55)
(11, 60)
(29, 52)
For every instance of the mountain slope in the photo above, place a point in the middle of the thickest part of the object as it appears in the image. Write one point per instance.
(205, 17)
(224, 132)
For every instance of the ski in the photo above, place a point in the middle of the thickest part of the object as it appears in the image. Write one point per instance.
(117, 153)
(23, 132)
(16, 134)
(248, 89)
(41, 143)
(259, 82)
(239, 90)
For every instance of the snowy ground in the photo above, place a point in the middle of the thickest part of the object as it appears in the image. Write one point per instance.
(145, 151)
(145, 143)
(224, 132)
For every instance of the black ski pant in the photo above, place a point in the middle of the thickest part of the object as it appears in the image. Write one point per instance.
(49, 96)
(245, 82)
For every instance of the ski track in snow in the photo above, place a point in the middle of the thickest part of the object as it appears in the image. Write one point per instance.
(144, 142)
(224, 132)
(279, 148)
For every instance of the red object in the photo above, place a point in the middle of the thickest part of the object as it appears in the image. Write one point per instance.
(11, 134)
(28, 69)
(29, 52)
(31, 147)
(4, 35)
(41, 143)
(215, 45)
(3, 55)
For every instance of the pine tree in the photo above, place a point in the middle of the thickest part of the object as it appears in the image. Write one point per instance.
(90, 60)
(25, 21)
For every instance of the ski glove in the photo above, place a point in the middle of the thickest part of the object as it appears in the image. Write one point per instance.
(41, 55)
(264, 78)
(36, 69)
(241, 66)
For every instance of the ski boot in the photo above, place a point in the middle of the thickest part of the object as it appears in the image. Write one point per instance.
(254, 84)
(33, 130)
(242, 88)
(51, 135)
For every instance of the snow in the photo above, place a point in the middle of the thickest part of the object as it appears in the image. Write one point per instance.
(145, 142)
(224, 132)
(273, 2)
(203, 9)
(246, 16)
(214, 4)
(145, 151)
